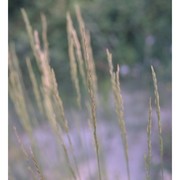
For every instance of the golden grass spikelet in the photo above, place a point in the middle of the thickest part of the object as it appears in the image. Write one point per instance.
(86, 47)
(92, 97)
(77, 46)
(158, 112)
(91, 61)
(44, 64)
(119, 107)
(29, 30)
(81, 29)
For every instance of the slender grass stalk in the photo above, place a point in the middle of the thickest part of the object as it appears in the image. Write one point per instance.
(34, 84)
(91, 92)
(119, 107)
(30, 157)
(77, 47)
(59, 104)
(44, 35)
(34, 176)
(73, 65)
(158, 112)
(16, 91)
(36, 164)
(148, 156)
(30, 33)
(57, 129)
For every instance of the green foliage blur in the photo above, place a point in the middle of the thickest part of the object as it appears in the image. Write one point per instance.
(138, 33)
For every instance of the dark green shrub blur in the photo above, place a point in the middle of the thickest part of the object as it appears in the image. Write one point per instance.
(138, 33)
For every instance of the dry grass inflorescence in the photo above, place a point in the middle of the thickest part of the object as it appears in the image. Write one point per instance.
(50, 104)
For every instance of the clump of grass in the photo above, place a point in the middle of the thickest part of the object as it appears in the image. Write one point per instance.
(91, 79)
(50, 103)
(49, 88)
(91, 86)
(158, 112)
(148, 156)
(119, 106)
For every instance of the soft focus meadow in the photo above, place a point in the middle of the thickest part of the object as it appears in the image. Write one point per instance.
(90, 90)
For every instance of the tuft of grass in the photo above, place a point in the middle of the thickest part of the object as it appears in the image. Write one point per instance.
(50, 103)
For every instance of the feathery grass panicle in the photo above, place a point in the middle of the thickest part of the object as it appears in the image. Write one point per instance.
(86, 47)
(91, 61)
(73, 65)
(92, 97)
(91, 79)
(119, 107)
(34, 85)
(90, 86)
(81, 29)
(148, 156)
(77, 46)
(120, 110)
(51, 90)
(158, 112)
(30, 32)
(111, 71)
(48, 89)
(44, 64)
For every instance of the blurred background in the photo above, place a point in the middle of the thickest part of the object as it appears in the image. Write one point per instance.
(138, 33)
